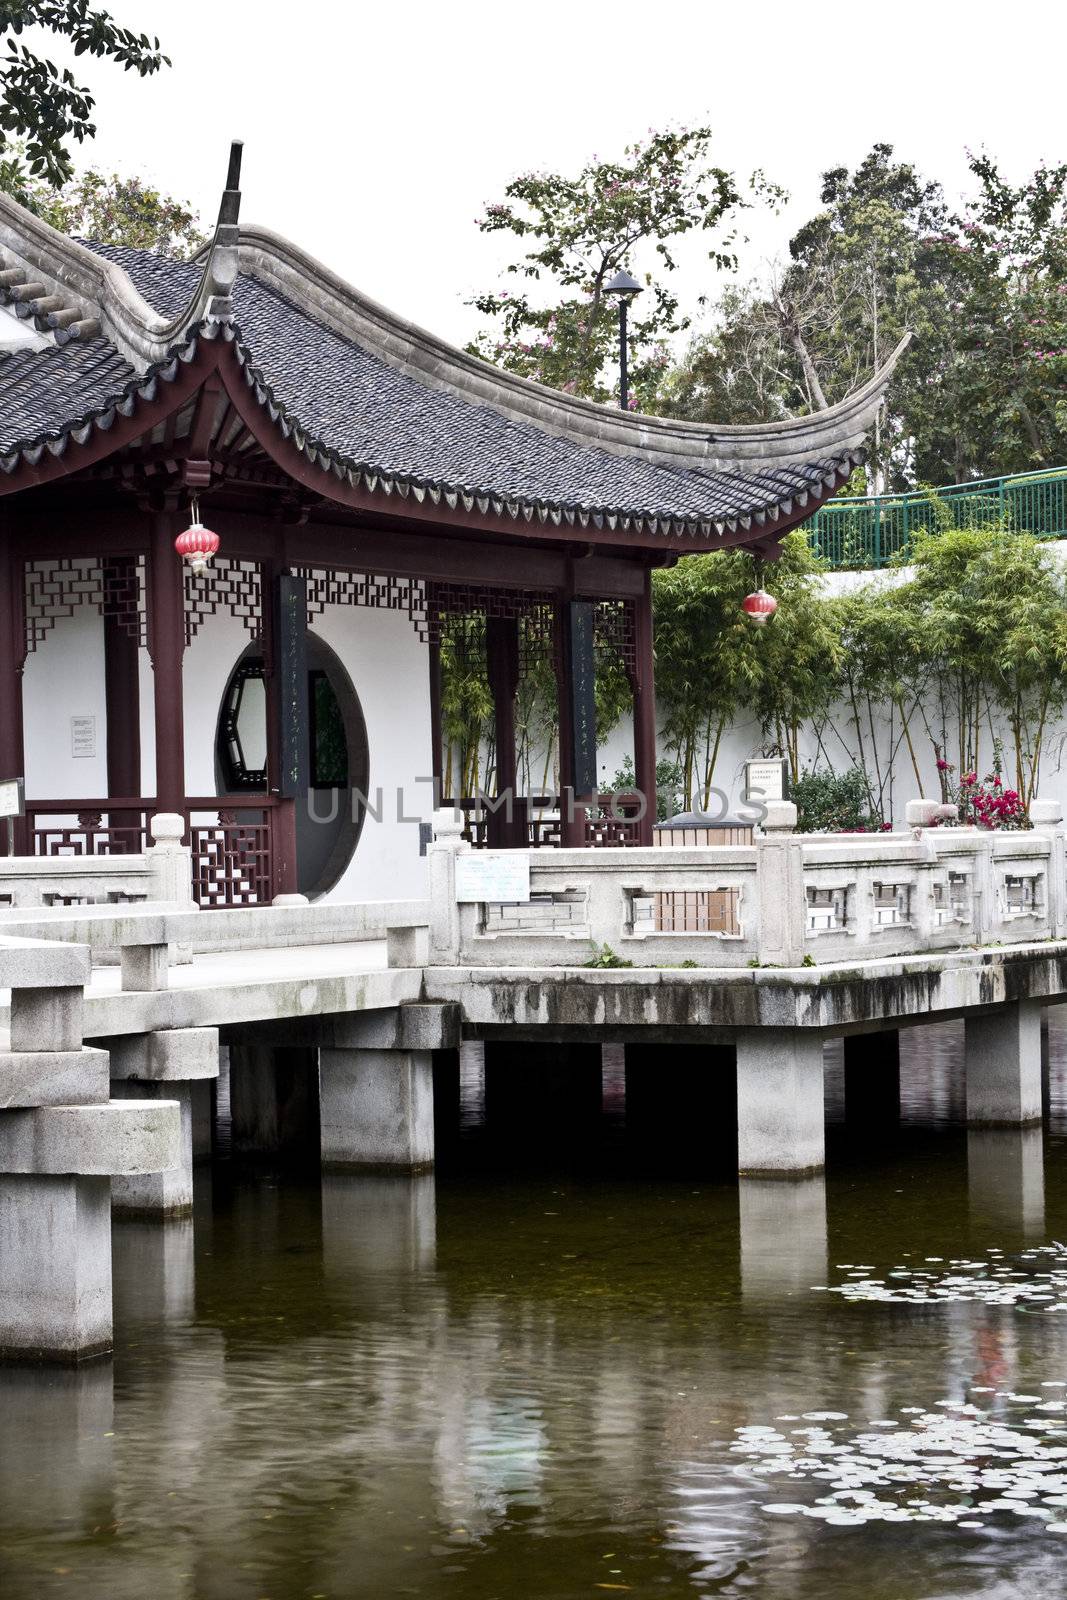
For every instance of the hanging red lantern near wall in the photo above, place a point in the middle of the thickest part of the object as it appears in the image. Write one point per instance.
(197, 544)
(759, 607)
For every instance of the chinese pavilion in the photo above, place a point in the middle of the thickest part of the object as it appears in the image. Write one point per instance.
(367, 482)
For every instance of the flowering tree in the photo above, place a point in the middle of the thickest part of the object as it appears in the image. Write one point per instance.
(554, 323)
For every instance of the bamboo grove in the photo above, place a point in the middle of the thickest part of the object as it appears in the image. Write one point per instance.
(958, 658)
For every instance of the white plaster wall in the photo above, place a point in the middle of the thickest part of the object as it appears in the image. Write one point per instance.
(389, 669)
(64, 678)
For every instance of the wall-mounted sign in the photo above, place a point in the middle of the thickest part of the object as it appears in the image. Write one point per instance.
(500, 876)
(583, 694)
(12, 797)
(82, 737)
(290, 664)
(766, 780)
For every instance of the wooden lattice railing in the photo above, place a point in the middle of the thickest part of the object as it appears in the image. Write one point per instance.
(230, 837)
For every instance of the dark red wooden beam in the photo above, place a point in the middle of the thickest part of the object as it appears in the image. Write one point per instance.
(123, 530)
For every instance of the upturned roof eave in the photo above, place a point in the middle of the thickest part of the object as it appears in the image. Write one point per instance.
(679, 445)
(142, 391)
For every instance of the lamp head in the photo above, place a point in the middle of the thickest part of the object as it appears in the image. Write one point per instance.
(623, 284)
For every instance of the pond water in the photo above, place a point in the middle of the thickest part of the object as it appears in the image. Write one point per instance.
(560, 1372)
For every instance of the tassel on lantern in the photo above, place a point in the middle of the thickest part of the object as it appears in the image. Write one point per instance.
(759, 607)
(197, 544)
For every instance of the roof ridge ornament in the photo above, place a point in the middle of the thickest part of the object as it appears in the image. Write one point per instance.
(215, 295)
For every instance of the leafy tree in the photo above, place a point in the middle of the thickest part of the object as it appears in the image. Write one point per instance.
(882, 680)
(982, 391)
(556, 325)
(670, 788)
(112, 209)
(466, 705)
(467, 711)
(711, 662)
(986, 663)
(706, 663)
(42, 104)
(998, 399)
(798, 652)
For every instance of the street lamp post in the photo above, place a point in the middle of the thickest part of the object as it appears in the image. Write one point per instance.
(625, 287)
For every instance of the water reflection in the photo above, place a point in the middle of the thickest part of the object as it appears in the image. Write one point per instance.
(529, 1382)
(57, 1465)
(154, 1272)
(783, 1235)
(377, 1226)
(1006, 1179)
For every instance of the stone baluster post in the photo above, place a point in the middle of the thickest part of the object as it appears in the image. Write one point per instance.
(169, 859)
(780, 891)
(1047, 818)
(447, 843)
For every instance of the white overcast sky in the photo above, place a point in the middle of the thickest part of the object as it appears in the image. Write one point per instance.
(375, 133)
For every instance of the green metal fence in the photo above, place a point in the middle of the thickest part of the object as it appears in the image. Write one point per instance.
(870, 532)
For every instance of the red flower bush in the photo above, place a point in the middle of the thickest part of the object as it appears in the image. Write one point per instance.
(985, 802)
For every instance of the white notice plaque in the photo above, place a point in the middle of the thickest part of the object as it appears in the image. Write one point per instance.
(11, 801)
(765, 780)
(82, 737)
(502, 876)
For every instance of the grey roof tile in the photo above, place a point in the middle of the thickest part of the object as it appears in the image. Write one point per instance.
(376, 417)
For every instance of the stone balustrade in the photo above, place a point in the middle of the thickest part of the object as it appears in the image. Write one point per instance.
(787, 900)
(161, 875)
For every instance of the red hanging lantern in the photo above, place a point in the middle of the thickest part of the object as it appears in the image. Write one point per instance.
(759, 607)
(197, 544)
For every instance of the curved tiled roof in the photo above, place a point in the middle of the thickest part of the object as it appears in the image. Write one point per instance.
(369, 397)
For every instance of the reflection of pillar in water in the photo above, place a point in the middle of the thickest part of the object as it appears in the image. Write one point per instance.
(153, 1273)
(378, 1225)
(783, 1235)
(56, 1464)
(1006, 1178)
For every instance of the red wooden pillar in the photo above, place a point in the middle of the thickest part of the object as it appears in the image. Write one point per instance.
(644, 687)
(166, 643)
(12, 660)
(506, 826)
